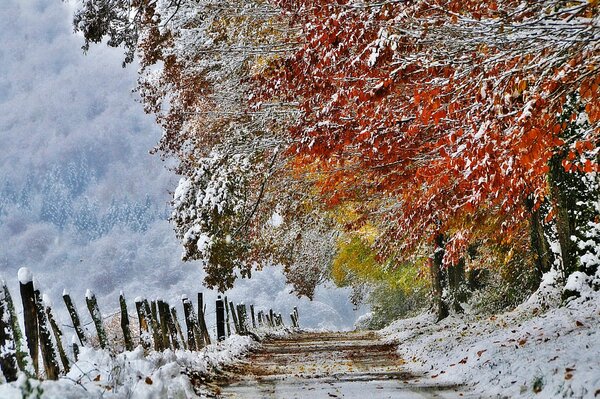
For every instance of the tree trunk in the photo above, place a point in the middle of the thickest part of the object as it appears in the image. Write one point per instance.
(539, 244)
(440, 307)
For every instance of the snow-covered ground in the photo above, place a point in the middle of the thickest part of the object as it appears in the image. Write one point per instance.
(132, 375)
(533, 351)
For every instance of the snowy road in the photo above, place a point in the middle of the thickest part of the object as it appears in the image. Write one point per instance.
(329, 365)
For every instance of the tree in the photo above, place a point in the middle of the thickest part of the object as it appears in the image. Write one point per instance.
(449, 107)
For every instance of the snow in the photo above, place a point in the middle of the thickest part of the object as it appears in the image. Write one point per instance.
(522, 353)
(25, 275)
(99, 374)
(276, 220)
(89, 294)
(65, 292)
(47, 301)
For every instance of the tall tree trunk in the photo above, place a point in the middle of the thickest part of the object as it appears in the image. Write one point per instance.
(456, 278)
(539, 243)
(440, 307)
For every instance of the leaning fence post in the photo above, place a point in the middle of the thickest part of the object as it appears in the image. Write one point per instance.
(271, 318)
(236, 324)
(202, 319)
(125, 322)
(48, 353)
(8, 344)
(153, 326)
(57, 335)
(92, 305)
(227, 316)
(198, 337)
(189, 324)
(178, 328)
(172, 330)
(164, 326)
(16, 329)
(143, 323)
(29, 315)
(220, 319)
(72, 310)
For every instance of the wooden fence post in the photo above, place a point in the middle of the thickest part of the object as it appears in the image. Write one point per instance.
(92, 305)
(252, 315)
(227, 315)
(72, 310)
(220, 319)
(178, 328)
(8, 345)
(57, 336)
(164, 327)
(202, 319)
(143, 322)
(48, 353)
(125, 322)
(29, 315)
(153, 325)
(242, 318)
(271, 318)
(236, 324)
(75, 348)
(16, 329)
(189, 323)
(171, 329)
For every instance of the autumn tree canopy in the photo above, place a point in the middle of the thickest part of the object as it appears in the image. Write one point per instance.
(443, 128)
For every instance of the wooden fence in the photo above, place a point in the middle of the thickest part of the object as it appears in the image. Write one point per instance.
(158, 328)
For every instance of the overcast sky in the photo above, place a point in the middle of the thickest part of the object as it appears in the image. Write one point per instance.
(82, 203)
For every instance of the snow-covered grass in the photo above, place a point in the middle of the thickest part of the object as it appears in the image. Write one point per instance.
(98, 374)
(531, 351)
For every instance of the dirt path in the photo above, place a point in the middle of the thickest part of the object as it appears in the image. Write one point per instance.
(328, 365)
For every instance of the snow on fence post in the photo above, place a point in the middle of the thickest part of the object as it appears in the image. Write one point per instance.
(189, 323)
(252, 315)
(280, 318)
(220, 319)
(57, 334)
(125, 322)
(292, 319)
(92, 305)
(29, 315)
(236, 324)
(178, 328)
(202, 319)
(164, 326)
(8, 344)
(296, 317)
(48, 353)
(271, 318)
(153, 325)
(143, 322)
(16, 330)
(72, 310)
(227, 316)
